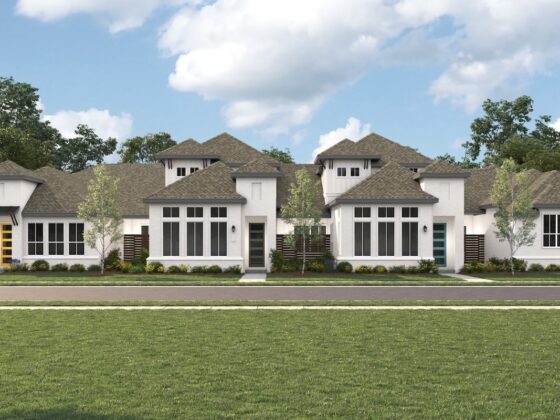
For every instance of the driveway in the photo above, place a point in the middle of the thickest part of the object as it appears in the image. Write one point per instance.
(193, 293)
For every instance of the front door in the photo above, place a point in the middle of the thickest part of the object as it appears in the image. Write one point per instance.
(256, 245)
(6, 245)
(440, 249)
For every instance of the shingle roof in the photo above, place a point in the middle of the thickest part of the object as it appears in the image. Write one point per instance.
(346, 149)
(256, 168)
(11, 170)
(187, 149)
(478, 188)
(212, 184)
(284, 184)
(391, 151)
(393, 183)
(233, 151)
(442, 169)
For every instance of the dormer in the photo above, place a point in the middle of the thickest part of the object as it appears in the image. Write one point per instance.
(16, 186)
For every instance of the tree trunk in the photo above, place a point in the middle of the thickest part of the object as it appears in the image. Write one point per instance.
(303, 265)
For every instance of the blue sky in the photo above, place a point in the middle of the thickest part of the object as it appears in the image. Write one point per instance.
(285, 77)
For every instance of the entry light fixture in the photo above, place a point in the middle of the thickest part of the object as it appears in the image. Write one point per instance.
(233, 228)
(425, 228)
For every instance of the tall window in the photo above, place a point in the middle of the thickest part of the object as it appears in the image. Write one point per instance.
(194, 239)
(341, 171)
(409, 232)
(218, 232)
(170, 212)
(181, 171)
(362, 239)
(35, 238)
(354, 171)
(386, 231)
(170, 239)
(76, 239)
(551, 230)
(56, 238)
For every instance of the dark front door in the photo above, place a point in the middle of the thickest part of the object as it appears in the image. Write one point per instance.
(256, 244)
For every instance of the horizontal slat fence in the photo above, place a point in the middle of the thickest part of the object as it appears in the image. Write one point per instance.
(474, 248)
(312, 251)
(133, 245)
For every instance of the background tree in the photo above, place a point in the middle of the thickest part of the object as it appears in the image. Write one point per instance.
(301, 212)
(77, 153)
(515, 217)
(100, 210)
(144, 149)
(465, 163)
(284, 156)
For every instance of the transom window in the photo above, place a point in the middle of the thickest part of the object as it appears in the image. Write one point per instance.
(194, 212)
(354, 171)
(410, 212)
(340, 171)
(181, 171)
(171, 212)
(551, 230)
(218, 211)
(76, 239)
(386, 212)
(35, 238)
(56, 238)
(362, 211)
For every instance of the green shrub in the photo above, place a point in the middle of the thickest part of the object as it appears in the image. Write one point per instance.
(536, 267)
(291, 266)
(19, 267)
(396, 269)
(315, 266)
(412, 269)
(233, 269)
(113, 260)
(364, 269)
(40, 265)
(344, 267)
(185, 268)
(94, 268)
(173, 269)
(552, 267)
(59, 267)
(77, 268)
(427, 266)
(474, 267)
(379, 269)
(277, 259)
(137, 269)
(328, 255)
(126, 266)
(503, 264)
(213, 269)
(144, 254)
(199, 269)
(155, 268)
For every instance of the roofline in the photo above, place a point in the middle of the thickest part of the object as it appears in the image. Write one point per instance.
(338, 201)
(380, 164)
(421, 175)
(546, 206)
(475, 213)
(241, 200)
(75, 214)
(347, 157)
(256, 175)
(22, 178)
(184, 156)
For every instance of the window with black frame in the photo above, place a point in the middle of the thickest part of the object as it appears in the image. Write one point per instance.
(35, 239)
(76, 239)
(170, 239)
(386, 231)
(551, 230)
(56, 238)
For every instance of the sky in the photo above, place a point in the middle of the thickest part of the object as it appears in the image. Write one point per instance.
(288, 73)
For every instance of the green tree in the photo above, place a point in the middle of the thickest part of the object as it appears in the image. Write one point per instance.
(302, 213)
(515, 216)
(284, 156)
(77, 153)
(464, 163)
(100, 210)
(143, 149)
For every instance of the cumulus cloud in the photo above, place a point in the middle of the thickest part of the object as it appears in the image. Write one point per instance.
(353, 130)
(556, 125)
(102, 121)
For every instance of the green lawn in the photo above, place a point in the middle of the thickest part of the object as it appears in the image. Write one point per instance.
(520, 277)
(255, 364)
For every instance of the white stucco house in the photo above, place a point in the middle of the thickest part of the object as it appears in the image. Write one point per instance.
(218, 202)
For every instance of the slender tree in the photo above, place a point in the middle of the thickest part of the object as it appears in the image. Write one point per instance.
(101, 211)
(302, 213)
(515, 217)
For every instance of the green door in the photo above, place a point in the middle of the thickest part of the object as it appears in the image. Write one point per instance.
(440, 250)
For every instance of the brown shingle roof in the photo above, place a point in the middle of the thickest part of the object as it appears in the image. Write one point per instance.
(478, 188)
(187, 149)
(442, 169)
(233, 151)
(284, 184)
(391, 151)
(212, 184)
(256, 168)
(391, 184)
(11, 170)
(346, 149)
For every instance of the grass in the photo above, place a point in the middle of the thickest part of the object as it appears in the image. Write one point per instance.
(387, 364)
(518, 278)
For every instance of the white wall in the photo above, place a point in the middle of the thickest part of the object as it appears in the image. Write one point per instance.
(134, 226)
(283, 228)
(171, 174)
(334, 185)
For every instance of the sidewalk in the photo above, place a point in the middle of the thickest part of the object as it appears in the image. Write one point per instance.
(468, 279)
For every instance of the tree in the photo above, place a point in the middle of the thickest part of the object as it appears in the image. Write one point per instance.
(515, 217)
(465, 163)
(78, 153)
(284, 156)
(302, 213)
(144, 149)
(100, 210)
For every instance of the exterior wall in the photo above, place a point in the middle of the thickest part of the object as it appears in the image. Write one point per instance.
(171, 173)
(334, 185)
(133, 226)
(234, 239)
(282, 228)
(342, 236)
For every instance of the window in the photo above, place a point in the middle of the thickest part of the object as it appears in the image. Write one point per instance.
(414, 169)
(386, 239)
(171, 212)
(551, 230)
(218, 212)
(56, 238)
(76, 239)
(341, 171)
(354, 171)
(194, 212)
(193, 170)
(170, 239)
(362, 239)
(362, 211)
(410, 212)
(145, 230)
(194, 239)
(410, 239)
(218, 239)
(256, 191)
(384, 212)
(181, 171)
(35, 238)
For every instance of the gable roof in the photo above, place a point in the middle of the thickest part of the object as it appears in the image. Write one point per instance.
(209, 185)
(12, 171)
(187, 149)
(233, 151)
(393, 183)
(391, 151)
(346, 149)
(442, 169)
(256, 168)
(478, 187)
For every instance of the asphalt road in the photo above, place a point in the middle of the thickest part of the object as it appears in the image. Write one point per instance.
(193, 293)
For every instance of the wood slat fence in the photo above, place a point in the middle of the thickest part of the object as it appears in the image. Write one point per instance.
(474, 248)
(312, 251)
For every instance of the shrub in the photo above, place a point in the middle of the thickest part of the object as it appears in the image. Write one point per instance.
(503, 264)
(144, 254)
(213, 269)
(427, 266)
(364, 269)
(185, 268)
(59, 267)
(155, 268)
(136, 269)
(233, 269)
(125, 266)
(344, 267)
(277, 259)
(328, 255)
(40, 265)
(412, 269)
(536, 267)
(173, 269)
(315, 266)
(552, 267)
(291, 266)
(77, 268)
(199, 269)
(396, 269)
(379, 269)
(19, 267)
(94, 268)
(113, 260)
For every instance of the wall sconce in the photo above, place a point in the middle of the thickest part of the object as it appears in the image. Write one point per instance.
(233, 229)
(425, 228)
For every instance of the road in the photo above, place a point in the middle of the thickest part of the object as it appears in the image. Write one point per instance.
(290, 293)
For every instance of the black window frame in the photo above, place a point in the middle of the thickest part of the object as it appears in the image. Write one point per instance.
(171, 212)
(194, 169)
(218, 212)
(386, 239)
(409, 239)
(170, 238)
(362, 239)
(362, 212)
(194, 212)
(218, 239)
(56, 238)
(35, 239)
(76, 242)
(386, 212)
(195, 239)
(181, 171)
(409, 212)
(341, 172)
(354, 172)
(551, 231)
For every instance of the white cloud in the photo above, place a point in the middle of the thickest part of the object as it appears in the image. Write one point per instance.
(104, 124)
(556, 125)
(353, 130)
